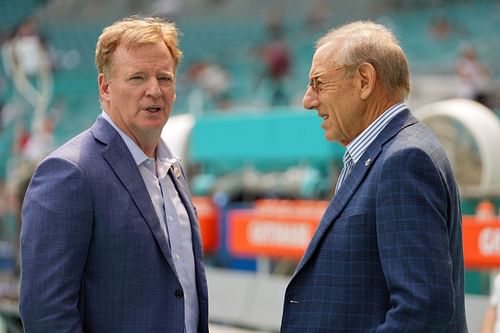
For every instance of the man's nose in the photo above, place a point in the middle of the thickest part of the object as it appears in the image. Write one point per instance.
(154, 89)
(310, 100)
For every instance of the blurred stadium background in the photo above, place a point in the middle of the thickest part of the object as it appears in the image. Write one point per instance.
(251, 151)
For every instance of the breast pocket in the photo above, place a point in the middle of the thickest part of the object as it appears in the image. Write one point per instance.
(359, 219)
(352, 238)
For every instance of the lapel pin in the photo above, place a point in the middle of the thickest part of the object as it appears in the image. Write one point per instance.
(367, 162)
(177, 171)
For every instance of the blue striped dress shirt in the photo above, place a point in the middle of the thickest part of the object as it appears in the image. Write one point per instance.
(357, 147)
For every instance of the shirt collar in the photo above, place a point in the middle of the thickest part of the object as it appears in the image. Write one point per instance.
(357, 147)
(163, 152)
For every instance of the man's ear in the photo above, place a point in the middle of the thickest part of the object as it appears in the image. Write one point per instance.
(367, 77)
(103, 87)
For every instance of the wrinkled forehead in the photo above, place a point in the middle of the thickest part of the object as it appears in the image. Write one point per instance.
(153, 56)
(323, 59)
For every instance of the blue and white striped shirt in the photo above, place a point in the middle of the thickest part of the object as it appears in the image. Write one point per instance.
(357, 147)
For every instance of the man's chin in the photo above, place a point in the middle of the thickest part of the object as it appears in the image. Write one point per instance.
(330, 137)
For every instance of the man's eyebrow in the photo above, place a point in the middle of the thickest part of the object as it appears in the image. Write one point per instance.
(318, 72)
(136, 73)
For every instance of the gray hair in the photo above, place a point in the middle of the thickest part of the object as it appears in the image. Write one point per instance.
(368, 42)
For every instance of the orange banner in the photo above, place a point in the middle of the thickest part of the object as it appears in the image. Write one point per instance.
(208, 217)
(481, 238)
(254, 235)
(256, 232)
(275, 228)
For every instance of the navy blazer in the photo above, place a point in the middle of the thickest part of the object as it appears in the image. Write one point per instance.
(93, 255)
(387, 255)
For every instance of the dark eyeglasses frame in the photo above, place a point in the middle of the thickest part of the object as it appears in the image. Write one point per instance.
(313, 81)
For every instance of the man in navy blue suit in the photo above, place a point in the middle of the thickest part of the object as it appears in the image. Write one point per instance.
(110, 240)
(387, 255)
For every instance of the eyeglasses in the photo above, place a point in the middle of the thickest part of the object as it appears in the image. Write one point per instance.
(316, 85)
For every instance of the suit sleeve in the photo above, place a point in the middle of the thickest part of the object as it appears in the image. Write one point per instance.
(55, 236)
(414, 243)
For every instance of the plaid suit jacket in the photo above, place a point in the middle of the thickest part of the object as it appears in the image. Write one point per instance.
(387, 255)
(93, 255)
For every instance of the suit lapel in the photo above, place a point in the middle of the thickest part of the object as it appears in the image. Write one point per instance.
(177, 176)
(354, 179)
(339, 201)
(121, 161)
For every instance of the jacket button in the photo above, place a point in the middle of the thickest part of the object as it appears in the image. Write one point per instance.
(179, 293)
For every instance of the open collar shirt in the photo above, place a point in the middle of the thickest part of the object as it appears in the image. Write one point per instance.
(174, 219)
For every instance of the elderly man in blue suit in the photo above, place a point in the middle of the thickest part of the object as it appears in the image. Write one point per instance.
(109, 239)
(387, 255)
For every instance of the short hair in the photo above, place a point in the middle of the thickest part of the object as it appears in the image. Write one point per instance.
(133, 32)
(365, 41)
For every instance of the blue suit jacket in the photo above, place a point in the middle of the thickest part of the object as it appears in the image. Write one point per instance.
(387, 255)
(93, 255)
